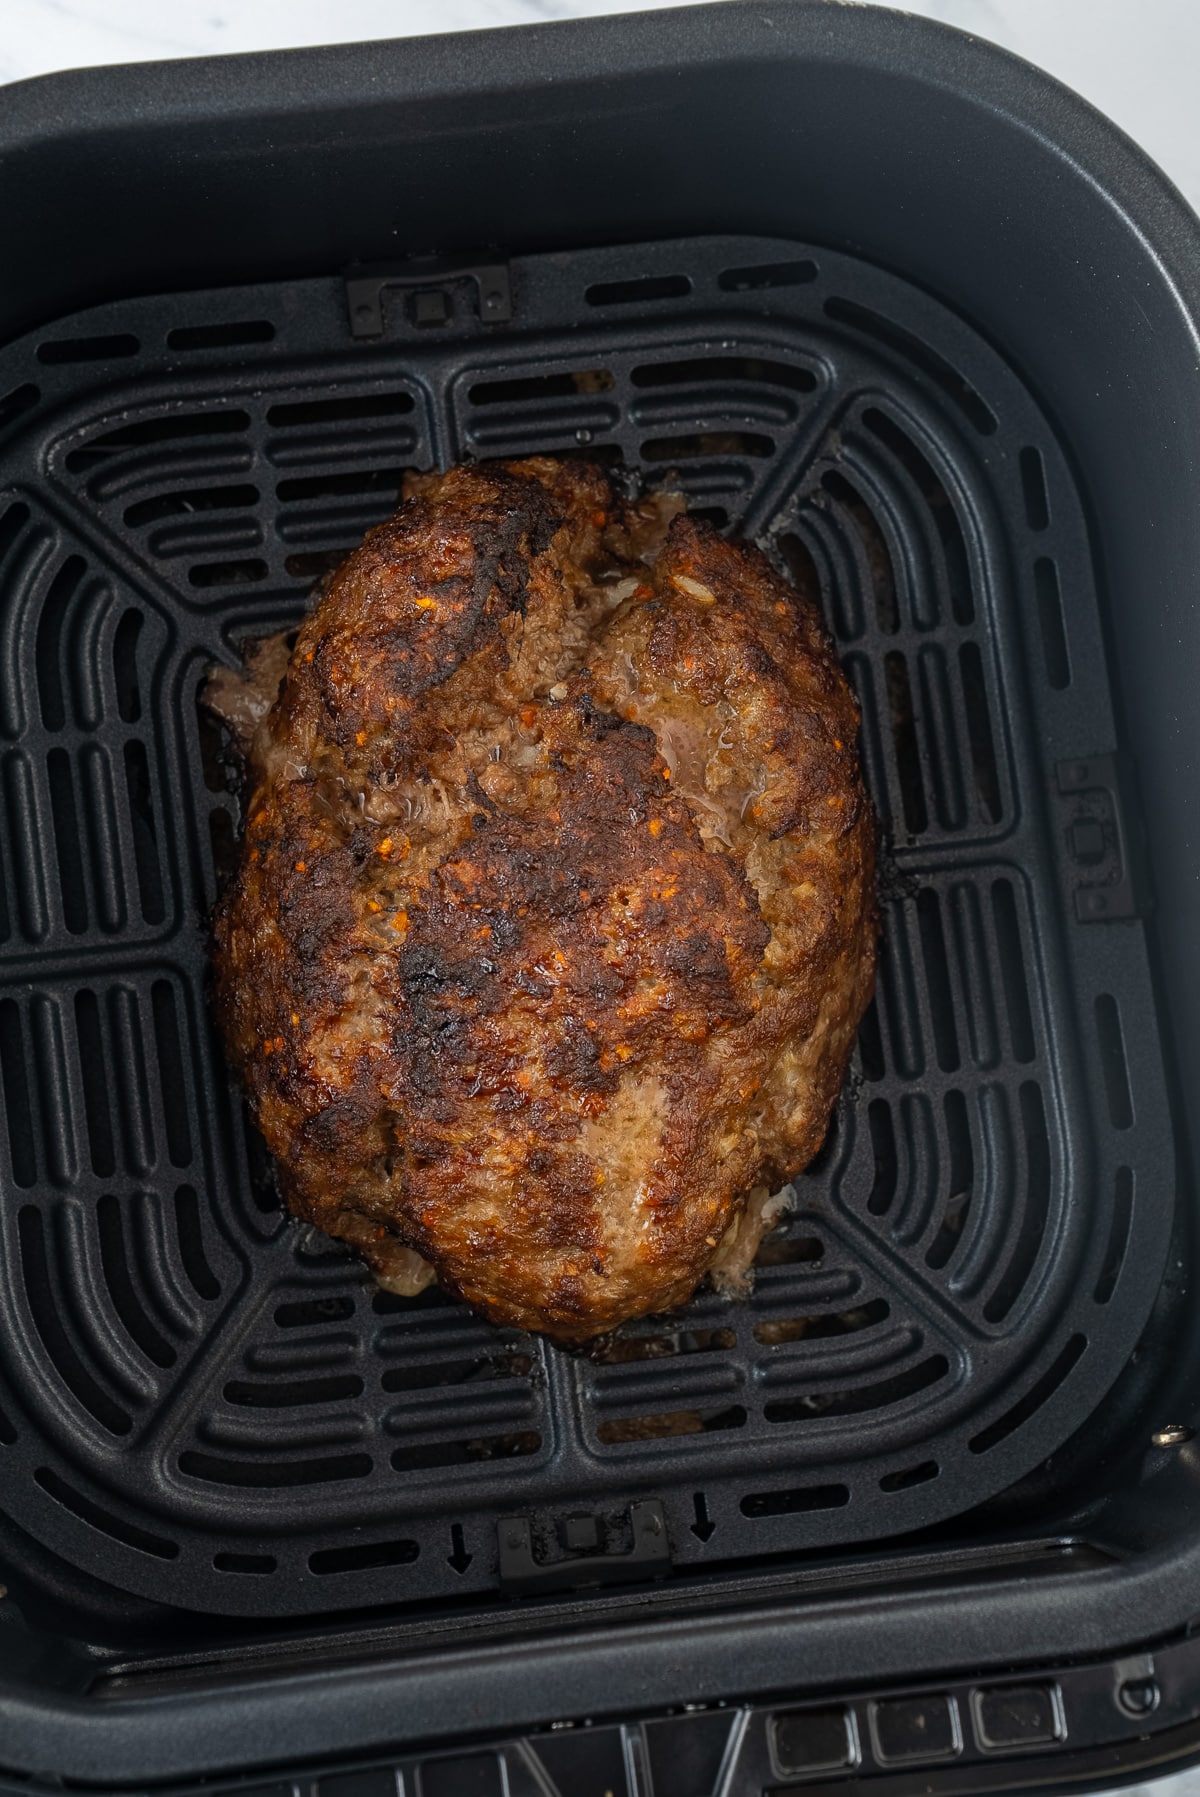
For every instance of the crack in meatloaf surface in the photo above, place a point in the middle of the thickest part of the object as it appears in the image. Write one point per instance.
(555, 916)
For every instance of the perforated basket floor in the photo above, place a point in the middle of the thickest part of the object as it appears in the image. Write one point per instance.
(201, 1402)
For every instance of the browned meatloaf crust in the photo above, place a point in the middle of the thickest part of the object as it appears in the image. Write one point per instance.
(555, 916)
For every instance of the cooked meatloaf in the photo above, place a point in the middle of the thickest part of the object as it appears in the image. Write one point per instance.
(555, 916)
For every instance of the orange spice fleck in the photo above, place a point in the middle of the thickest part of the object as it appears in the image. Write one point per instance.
(426, 604)
(400, 922)
(656, 826)
(360, 737)
(623, 1051)
(837, 742)
(385, 847)
(295, 1018)
(643, 592)
(372, 905)
(309, 656)
(302, 867)
(528, 715)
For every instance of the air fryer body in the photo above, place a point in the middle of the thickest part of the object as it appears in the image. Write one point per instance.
(917, 320)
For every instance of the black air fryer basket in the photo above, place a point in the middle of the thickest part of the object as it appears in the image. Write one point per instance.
(923, 1511)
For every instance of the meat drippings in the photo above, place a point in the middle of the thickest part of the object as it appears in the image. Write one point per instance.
(700, 751)
(704, 773)
(407, 1275)
(242, 697)
(731, 1266)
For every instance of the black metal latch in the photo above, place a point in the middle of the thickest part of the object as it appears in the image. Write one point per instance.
(584, 1549)
(426, 281)
(1100, 868)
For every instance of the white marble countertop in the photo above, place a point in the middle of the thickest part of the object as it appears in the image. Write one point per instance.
(1135, 59)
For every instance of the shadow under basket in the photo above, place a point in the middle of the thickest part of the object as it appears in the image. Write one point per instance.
(223, 1453)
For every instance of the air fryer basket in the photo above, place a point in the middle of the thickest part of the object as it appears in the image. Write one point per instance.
(216, 1411)
(959, 1347)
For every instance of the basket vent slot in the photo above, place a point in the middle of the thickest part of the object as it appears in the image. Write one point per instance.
(312, 1313)
(706, 372)
(221, 336)
(823, 1325)
(538, 387)
(879, 1394)
(431, 1456)
(363, 1556)
(629, 1345)
(425, 1375)
(273, 1475)
(342, 409)
(253, 1564)
(1038, 1394)
(961, 1178)
(1112, 1058)
(116, 1260)
(144, 830)
(885, 330)
(49, 641)
(795, 1502)
(190, 1234)
(767, 274)
(54, 1297)
(1033, 487)
(18, 400)
(1118, 1239)
(1032, 1224)
(1051, 623)
(65, 813)
(151, 433)
(666, 1423)
(707, 443)
(14, 1065)
(637, 292)
(97, 1517)
(87, 349)
(908, 1476)
(171, 1073)
(1012, 970)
